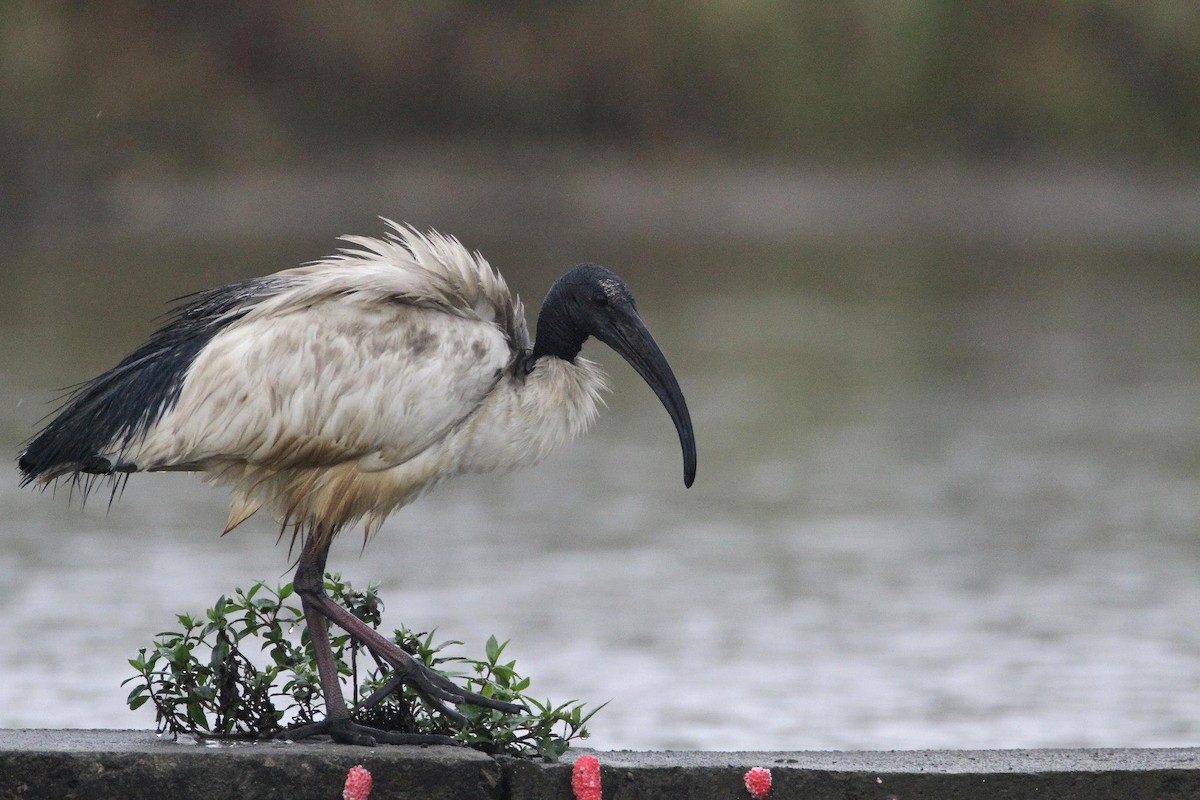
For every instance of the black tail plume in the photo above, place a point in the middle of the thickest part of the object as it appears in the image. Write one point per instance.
(104, 415)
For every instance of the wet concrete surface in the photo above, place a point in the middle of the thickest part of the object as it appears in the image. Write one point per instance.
(135, 764)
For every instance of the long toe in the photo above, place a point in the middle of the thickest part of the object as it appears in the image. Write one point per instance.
(338, 730)
(344, 731)
(491, 702)
(395, 737)
(438, 690)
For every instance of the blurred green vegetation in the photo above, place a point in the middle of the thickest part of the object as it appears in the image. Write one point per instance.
(180, 86)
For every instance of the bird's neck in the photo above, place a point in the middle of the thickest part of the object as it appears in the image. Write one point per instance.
(557, 335)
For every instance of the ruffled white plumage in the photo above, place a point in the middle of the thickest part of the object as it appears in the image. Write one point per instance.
(362, 381)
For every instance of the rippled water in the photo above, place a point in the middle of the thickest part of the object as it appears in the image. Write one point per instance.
(946, 498)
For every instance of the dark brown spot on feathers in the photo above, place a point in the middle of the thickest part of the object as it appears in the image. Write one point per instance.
(420, 341)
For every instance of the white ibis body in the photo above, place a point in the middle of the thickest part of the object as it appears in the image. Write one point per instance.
(337, 392)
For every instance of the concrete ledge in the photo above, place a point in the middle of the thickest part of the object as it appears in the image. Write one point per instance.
(136, 764)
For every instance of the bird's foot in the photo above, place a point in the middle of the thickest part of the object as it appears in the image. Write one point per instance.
(345, 731)
(435, 689)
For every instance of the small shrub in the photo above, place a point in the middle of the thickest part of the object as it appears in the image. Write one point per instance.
(245, 670)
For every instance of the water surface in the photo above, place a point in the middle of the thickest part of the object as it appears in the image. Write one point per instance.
(946, 498)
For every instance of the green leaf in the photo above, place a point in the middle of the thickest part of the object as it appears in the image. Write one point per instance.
(220, 653)
(552, 749)
(196, 715)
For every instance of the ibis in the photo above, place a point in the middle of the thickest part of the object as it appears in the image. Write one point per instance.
(334, 393)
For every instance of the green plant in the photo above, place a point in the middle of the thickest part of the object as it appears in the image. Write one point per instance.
(245, 671)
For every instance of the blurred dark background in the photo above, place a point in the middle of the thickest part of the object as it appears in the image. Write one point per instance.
(94, 91)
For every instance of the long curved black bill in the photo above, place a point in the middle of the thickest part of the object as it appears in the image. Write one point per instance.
(630, 337)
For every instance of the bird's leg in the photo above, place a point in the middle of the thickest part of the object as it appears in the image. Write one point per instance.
(435, 688)
(337, 723)
(319, 610)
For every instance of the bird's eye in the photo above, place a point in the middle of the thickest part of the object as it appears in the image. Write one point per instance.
(600, 298)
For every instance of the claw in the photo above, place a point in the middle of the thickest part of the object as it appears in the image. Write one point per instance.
(437, 690)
